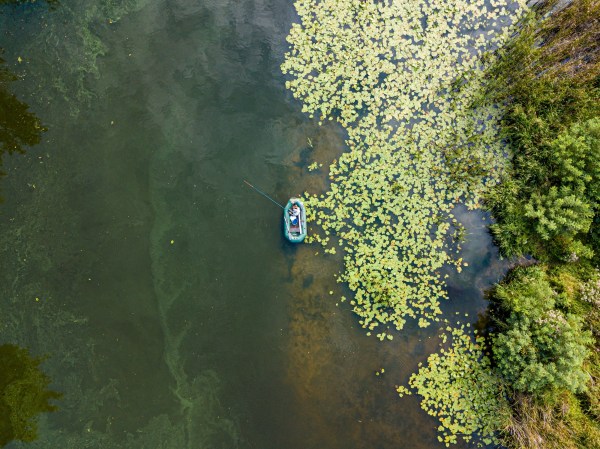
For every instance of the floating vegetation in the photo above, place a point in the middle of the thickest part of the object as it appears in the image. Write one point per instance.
(403, 78)
(23, 394)
(460, 389)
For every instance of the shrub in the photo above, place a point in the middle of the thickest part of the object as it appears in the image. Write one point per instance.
(539, 348)
(546, 206)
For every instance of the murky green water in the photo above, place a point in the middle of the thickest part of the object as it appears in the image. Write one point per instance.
(173, 312)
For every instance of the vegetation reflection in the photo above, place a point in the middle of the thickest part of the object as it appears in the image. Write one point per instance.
(19, 127)
(24, 394)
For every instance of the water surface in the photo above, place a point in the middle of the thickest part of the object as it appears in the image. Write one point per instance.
(173, 312)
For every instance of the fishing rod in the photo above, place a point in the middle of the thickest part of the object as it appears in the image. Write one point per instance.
(287, 227)
(264, 194)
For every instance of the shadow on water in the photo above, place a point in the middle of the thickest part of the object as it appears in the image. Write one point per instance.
(24, 394)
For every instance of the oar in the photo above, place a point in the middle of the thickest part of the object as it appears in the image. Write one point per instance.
(287, 227)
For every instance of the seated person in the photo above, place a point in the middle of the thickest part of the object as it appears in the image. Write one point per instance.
(294, 214)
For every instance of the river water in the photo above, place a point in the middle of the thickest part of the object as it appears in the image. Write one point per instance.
(172, 312)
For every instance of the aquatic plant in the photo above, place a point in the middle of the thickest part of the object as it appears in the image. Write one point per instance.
(403, 79)
(459, 388)
(24, 394)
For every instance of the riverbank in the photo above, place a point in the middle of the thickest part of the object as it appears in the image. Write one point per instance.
(545, 318)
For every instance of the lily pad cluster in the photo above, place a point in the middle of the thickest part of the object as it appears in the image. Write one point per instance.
(403, 79)
(459, 388)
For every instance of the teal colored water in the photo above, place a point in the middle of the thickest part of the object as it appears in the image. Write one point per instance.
(173, 313)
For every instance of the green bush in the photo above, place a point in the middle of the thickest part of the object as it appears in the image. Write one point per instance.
(547, 205)
(539, 348)
(559, 211)
(546, 202)
(575, 158)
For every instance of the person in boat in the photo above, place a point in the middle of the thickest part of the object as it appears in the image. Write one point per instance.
(294, 214)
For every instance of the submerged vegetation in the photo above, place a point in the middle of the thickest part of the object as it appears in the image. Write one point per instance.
(68, 83)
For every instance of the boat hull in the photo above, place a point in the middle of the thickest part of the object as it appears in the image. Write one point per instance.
(294, 234)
